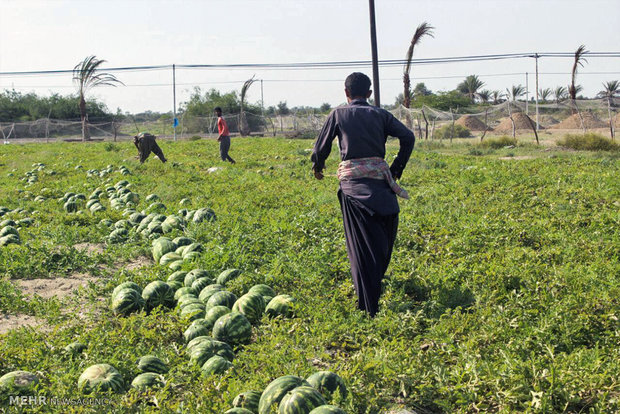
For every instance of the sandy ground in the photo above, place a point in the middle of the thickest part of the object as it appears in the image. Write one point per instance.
(90, 249)
(8, 322)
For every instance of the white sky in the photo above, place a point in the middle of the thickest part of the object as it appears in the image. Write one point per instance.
(57, 34)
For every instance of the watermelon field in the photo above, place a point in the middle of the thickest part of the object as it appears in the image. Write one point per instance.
(503, 294)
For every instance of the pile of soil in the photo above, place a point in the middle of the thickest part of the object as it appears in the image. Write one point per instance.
(573, 122)
(471, 122)
(548, 120)
(521, 120)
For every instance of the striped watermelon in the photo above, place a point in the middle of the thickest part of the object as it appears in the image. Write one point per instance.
(151, 363)
(281, 305)
(182, 241)
(238, 410)
(248, 400)
(201, 283)
(156, 294)
(208, 291)
(264, 290)
(227, 275)
(176, 265)
(233, 328)
(222, 298)
(276, 390)
(326, 382)
(118, 236)
(252, 305)
(193, 312)
(128, 285)
(197, 341)
(327, 409)
(127, 301)
(301, 400)
(18, 381)
(178, 276)
(214, 313)
(198, 328)
(75, 348)
(191, 256)
(148, 380)
(175, 285)
(201, 352)
(169, 258)
(161, 246)
(100, 377)
(189, 299)
(215, 365)
(192, 275)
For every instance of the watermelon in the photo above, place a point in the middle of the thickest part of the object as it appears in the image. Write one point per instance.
(172, 223)
(151, 363)
(189, 299)
(238, 410)
(152, 198)
(177, 276)
(198, 328)
(214, 313)
(201, 352)
(193, 312)
(75, 348)
(100, 377)
(18, 381)
(263, 290)
(183, 241)
(191, 256)
(25, 222)
(161, 246)
(123, 224)
(175, 285)
(197, 341)
(276, 390)
(7, 222)
(327, 382)
(194, 247)
(222, 298)
(185, 202)
(201, 283)
(148, 380)
(7, 230)
(136, 218)
(184, 290)
(232, 328)
(156, 208)
(127, 285)
(301, 400)
(252, 305)
(158, 293)
(168, 258)
(131, 198)
(127, 301)
(96, 207)
(215, 365)
(227, 275)
(9, 239)
(248, 400)
(118, 236)
(203, 214)
(176, 266)
(327, 409)
(106, 222)
(208, 291)
(70, 207)
(281, 305)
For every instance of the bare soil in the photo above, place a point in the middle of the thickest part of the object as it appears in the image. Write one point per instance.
(91, 249)
(574, 122)
(471, 122)
(521, 120)
(8, 322)
(59, 286)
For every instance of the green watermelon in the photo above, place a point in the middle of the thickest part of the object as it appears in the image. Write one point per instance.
(148, 380)
(7, 230)
(327, 382)
(203, 214)
(161, 246)
(152, 198)
(252, 305)
(184, 290)
(136, 218)
(232, 328)
(191, 256)
(327, 409)
(175, 285)
(185, 202)
(189, 299)
(156, 208)
(222, 298)
(214, 313)
(176, 265)
(182, 241)
(118, 236)
(238, 410)
(100, 377)
(106, 222)
(9, 239)
(201, 283)
(263, 290)
(227, 275)
(208, 291)
(18, 381)
(178, 276)
(75, 348)
(151, 363)
(197, 341)
(194, 247)
(215, 365)
(248, 400)
(276, 390)
(301, 400)
(172, 223)
(201, 352)
(158, 293)
(25, 222)
(198, 328)
(127, 301)
(193, 312)
(281, 305)
(168, 258)
(195, 274)
(127, 285)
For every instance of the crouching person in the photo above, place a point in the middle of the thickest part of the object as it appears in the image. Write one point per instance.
(146, 144)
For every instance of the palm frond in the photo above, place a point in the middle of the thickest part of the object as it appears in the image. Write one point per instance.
(246, 86)
(424, 29)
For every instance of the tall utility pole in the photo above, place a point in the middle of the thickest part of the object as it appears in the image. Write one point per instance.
(527, 91)
(175, 122)
(262, 102)
(536, 57)
(375, 61)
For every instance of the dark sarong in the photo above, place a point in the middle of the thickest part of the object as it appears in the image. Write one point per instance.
(146, 144)
(370, 238)
(224, 147)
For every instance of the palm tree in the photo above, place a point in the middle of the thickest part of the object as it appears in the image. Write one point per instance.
(515, 92)
(544, 94)
(484, 95)
(470, 86)
(560, 93)
(496, 96)
(579, 59)
(87, 76)
(612, 88)
(244, 128)
(423, 29)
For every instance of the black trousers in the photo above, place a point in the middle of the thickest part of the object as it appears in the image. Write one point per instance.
(146, 145)
(370, 239)
(224, 148)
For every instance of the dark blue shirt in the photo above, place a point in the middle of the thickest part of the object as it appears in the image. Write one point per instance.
(362, 131)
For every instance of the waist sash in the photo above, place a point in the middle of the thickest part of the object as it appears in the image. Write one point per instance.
(371, 167)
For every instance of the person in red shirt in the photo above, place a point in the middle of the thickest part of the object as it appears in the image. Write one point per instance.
(224, 137)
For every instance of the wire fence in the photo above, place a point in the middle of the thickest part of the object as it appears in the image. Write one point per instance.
(509, 117)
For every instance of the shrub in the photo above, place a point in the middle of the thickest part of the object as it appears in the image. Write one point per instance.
(588, 142)
(499, 142)
(109, 146)
(445, 132)
(195, 138)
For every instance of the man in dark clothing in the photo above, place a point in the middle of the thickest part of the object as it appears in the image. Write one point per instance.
(224, 136)
(146, 144)
(367, 191)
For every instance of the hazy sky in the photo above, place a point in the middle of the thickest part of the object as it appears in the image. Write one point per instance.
(57, 34)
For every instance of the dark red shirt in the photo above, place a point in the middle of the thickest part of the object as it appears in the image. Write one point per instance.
(222, 127)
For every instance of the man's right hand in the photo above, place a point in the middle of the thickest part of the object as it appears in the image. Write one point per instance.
(318, 174)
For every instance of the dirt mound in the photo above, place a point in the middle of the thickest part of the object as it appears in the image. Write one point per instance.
(574, 122)
(548, 120)
(471, 122)
(521, 121)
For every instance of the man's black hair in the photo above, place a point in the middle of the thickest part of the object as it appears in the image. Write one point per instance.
(218, 109)
(357, 84)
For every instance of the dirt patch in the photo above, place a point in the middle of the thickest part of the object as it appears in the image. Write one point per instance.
(91, 249)
(8, 322)
(548, 120)
(59, 286)
(137, 263)
(521, 121)
(518, 157)
(471, 122)
(574, 122)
